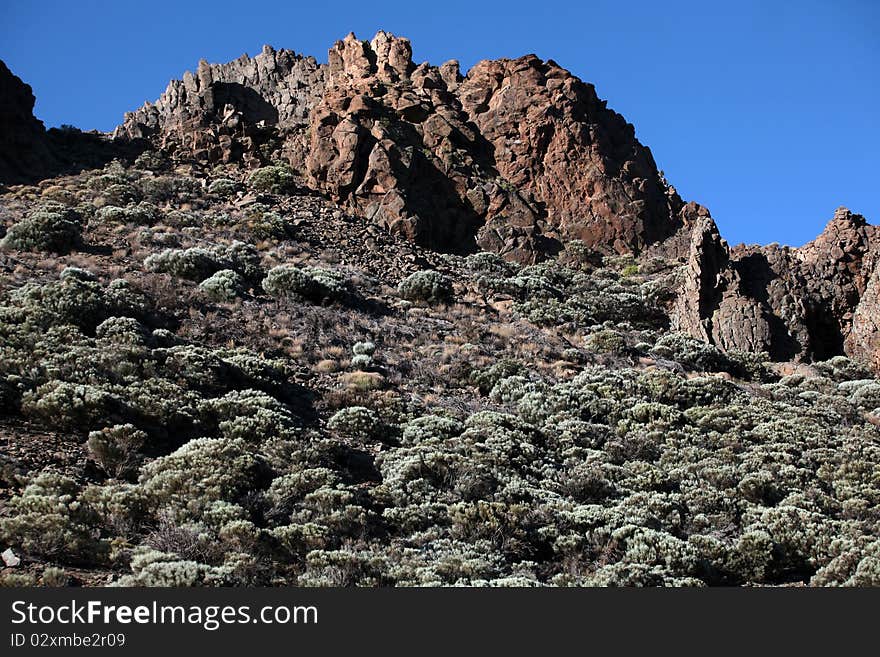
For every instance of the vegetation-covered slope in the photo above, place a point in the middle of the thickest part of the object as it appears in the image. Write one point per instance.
(208, 377)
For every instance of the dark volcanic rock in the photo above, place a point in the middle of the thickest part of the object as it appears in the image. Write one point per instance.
(517, 158)
(390, 141)
(25, 153)
(570, 157)
(28, 152)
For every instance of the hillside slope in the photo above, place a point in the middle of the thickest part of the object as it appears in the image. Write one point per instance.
(372, 323)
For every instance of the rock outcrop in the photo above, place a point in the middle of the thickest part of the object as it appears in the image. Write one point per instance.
(811, 302)
(227, 112)
(574, 160)
(25, 153)
(517, 157)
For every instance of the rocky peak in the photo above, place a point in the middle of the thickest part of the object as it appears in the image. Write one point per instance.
(558, 143)
(517, 157)
(386, 58)
(223, 112)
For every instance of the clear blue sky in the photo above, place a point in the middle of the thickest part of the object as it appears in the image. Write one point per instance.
(766, 112)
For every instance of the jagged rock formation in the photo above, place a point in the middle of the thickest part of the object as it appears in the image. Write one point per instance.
(517, 157)
(577, 162)
(24, 149)
(811, 302)
(221, 113)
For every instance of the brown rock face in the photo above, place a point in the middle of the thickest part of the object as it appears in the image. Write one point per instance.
(569, 156)
(517, 158)
(24, 150)
(863, 341)
(389, 140)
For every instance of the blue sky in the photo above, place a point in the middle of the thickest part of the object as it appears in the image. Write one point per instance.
(765, 112)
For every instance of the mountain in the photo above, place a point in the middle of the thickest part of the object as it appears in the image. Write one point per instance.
(374, 322)
(518, 158)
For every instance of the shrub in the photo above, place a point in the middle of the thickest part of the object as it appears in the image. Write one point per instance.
(54, 577)
(429, 286)
(268, 225)
(309, 283)
(363, 349)
(117, 449)
(195, 264)
(120, 194)
(363, 355)
(486, 379)
(252, 416)
(289, 281)
(202, 471)
(121, 330)
(279, 179)
(224, 285)
(102, 181)
(841, 368)
(151, 161)
(356, 422)
(606, 341)
(51, 228)
(223, 187)
(431, 428)
(71, 405)
(143, 213)
(691, 353)
(164, 188)
(362, 362)
(243, 258)
(51, 520)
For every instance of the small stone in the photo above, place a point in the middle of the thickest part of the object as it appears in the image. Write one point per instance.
(9, 558)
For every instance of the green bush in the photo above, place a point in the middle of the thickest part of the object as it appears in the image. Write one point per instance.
(50, 519)
(308, 283)
(53, 228)
(144, 214)
(223, 187)
(280, 179)
(224, 285)
(356, 422)
(195, 263)
(117, 449)
(428, 286)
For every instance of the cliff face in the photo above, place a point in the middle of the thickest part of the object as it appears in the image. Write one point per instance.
(518, 157)
(811, 302)
(24, 148)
